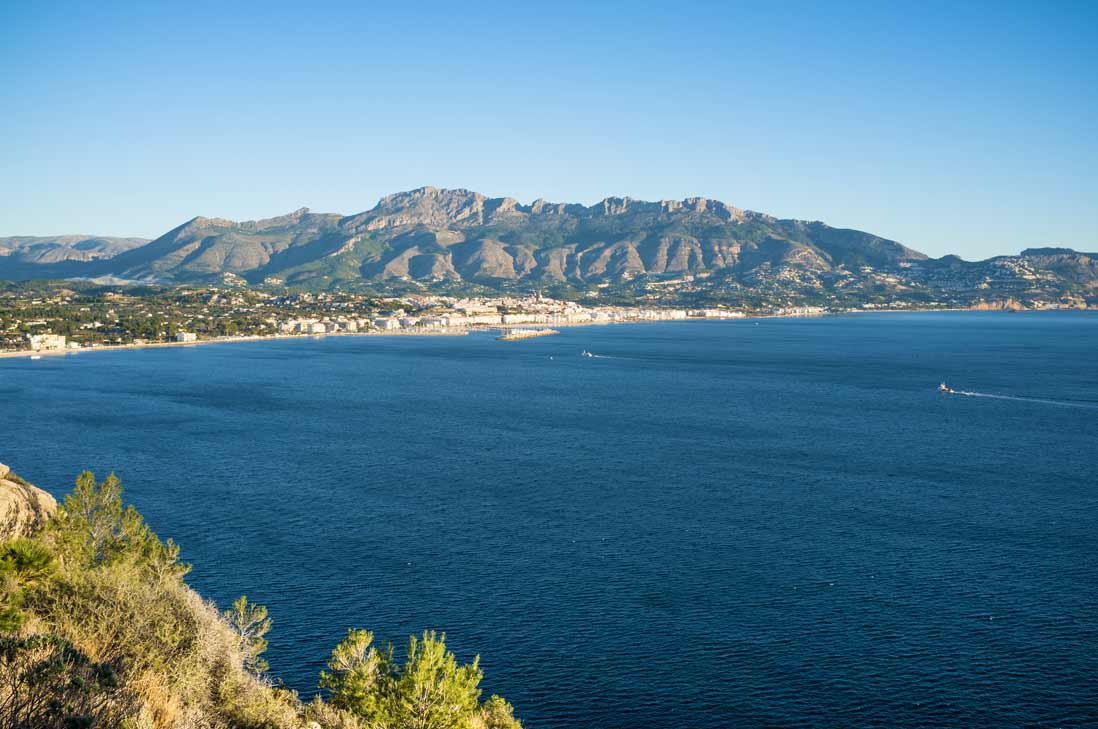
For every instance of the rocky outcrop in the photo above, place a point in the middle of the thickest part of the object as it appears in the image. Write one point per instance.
(1004, 305)
(23, 507)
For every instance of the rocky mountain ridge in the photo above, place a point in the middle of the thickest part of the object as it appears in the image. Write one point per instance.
(432, 237)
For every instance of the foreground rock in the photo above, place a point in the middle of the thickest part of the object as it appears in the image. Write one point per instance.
(23, 507)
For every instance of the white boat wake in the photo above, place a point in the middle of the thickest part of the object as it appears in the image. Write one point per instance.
(1019, 398)
(609, 356)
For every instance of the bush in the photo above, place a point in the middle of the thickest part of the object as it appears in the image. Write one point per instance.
(98, 629)
(251, 623)
(430, 691)
(48, 682)
(24, 565)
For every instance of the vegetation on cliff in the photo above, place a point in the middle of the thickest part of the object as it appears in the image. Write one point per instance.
(99, 629)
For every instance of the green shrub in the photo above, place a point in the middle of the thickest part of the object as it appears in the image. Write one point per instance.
(99, 630)
(24, 565)
(58, 686)
(430, 691)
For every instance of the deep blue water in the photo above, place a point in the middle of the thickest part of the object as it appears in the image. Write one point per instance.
(713, 524)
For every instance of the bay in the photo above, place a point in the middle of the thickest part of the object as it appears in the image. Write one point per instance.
(772, 522)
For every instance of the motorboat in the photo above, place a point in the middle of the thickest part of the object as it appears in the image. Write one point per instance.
(944, 388)
(585, 353)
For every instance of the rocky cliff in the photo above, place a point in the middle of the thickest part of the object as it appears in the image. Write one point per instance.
(23, 507)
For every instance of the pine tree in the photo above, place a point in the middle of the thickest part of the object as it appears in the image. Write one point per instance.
(251, 623)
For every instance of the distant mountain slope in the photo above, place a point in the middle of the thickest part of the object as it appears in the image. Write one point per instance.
(431, 235)
(1073, 266)
(28, 251)
(54, 249)
(25, 257)
(209, 246)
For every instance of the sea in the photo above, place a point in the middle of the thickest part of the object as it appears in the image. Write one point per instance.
(749, 523)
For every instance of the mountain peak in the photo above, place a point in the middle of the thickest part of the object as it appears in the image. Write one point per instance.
(425, 206)
(200, 221)
(428, 196)
(278, 221)
(612, 205)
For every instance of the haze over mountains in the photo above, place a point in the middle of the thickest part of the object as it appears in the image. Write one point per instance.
(431, 236)
(56, 249)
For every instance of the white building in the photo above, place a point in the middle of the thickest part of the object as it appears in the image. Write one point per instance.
(484, 319)
(718, 314)
(39, 342)
(186, 337)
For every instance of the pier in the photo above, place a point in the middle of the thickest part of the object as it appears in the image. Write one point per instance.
(514, 334)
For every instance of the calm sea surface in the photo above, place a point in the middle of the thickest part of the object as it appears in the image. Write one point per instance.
(773, 523)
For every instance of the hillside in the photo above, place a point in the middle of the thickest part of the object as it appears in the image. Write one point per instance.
(446, 239)
(56, 249)
(22, 256)
(99, 630)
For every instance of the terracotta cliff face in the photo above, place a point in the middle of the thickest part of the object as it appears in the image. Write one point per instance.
(23, 507)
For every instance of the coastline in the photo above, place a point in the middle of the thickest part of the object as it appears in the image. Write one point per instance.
(447, 332)
(229, 340)
(464, 331)
(450, 332)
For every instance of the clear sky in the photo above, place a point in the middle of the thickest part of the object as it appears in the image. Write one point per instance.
(962, 127)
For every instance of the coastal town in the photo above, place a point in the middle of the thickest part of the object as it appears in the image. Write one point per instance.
(71, 320)
(67, 316)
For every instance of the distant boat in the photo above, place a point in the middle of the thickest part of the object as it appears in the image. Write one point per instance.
(36, 356)
(944, 388)
(587, 354)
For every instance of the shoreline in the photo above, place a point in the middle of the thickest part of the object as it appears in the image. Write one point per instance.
(452, 332)
(464, 331)
(228, 340)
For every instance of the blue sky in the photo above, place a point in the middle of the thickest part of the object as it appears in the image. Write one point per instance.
(952, 127)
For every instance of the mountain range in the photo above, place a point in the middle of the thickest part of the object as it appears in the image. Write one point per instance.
(57, 249)
(440, 237)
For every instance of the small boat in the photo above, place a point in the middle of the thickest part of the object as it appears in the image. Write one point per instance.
(587, 354)
(944, 388)
(36, 356)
